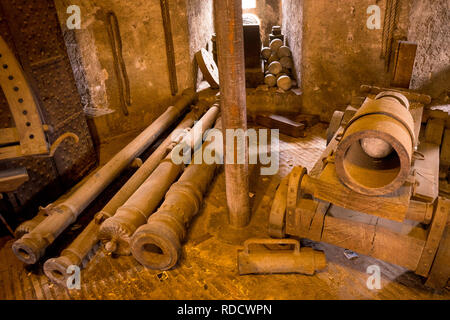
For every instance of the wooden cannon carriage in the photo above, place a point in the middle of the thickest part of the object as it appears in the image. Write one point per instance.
(408, 226)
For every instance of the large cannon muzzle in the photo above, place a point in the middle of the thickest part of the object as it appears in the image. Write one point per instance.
(375, 153)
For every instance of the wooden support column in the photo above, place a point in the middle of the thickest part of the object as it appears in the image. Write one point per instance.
(230, 47)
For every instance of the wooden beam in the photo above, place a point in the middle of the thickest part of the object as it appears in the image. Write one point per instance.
(12, 179)
(10, 152)
(404, 64)
(285, 125)
(426, 173)
(328, 188)
(434, 237)
(8, 136)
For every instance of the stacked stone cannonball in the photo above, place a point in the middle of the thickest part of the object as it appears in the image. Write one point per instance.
(278, 65)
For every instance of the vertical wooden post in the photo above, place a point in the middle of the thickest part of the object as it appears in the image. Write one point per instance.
(230, 54)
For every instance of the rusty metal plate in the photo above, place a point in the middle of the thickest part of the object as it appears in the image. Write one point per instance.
(32, 30)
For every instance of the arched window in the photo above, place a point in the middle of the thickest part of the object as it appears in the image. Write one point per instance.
(249, 18)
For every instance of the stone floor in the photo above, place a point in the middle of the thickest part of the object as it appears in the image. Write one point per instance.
(208, 268)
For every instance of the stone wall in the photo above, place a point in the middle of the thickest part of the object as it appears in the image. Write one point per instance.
(292, 28)
(144, 54)
(201, 27)
(340, 53)
(430, 28)
(334, 52)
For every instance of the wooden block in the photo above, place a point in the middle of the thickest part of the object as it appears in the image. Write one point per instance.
(434, 131)
(308, 120)
(426, 173)
(331, 147)
(404, 64)
(357, 101)
(410, 95)
(335, 124)
(416, 111)
(394, 242)
(349, 113)
(440, 271)
(285, 125)
(445, 149)
(351, 235)
(277, 216)
(303, 215)
(402, 250)
(434, 237)
(10, 152)
(317, 221)
(420, 211)
(12, 179)
(328, 188)
(430, 114)
(9, 136)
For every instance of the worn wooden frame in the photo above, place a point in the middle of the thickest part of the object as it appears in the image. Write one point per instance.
(28, 137)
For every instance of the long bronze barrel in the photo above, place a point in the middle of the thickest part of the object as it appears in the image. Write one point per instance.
(31, 247)
(157, 244)
(56, 268)
(116, 231)
(375, 154)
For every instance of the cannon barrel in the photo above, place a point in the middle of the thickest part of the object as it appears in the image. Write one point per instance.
(116, 231)
(31, 247)
(56, 268)
(375, 153)
(157, 244)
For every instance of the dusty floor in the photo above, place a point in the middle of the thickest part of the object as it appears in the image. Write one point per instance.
(208, 269)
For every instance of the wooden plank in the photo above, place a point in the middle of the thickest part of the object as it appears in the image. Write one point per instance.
(410, 95)
(9, 136)
(426, 173)
(445, 149)
(293, 193)
(12, 179)
(402, 250)
(285, 125)
(22, 104)
(404, 64)
(10, 152)
(434, 237)
(308, 120)
(416, 111)
(309, 219)
(398, 243)
(434, 131)
(302, 218)
(350, 112)
(440, 114)
(420, 211)
(334, 125)
(328, 188)
(318, 220)
(277, 216)
(440, 271)
(351, 235)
